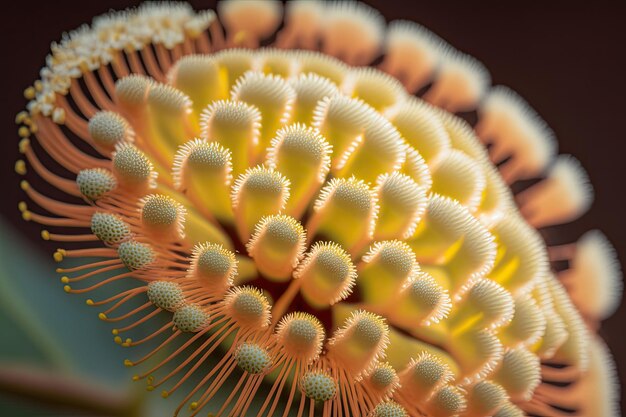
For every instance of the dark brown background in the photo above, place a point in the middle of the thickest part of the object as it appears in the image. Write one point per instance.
(567, 60)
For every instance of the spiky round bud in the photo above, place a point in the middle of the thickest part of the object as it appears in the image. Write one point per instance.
(95, 182)
(257, 193)
(402, 203)
(318, 386)
(109, 228)
(248, 307)
(162, 215)
(132, 167)
(360, 342)
(345, 211)
(277, 246)
(384, 269)
(310, 88)
(108, 128)
(423, 375)
(389, 409)
(167, 295)
(421, 301)
(446, 402)
(135, 255)
(301, 336)
(213, 266)
(327, 273)
(198, 77)
(485, 398)
(235, 125)
(191, 318)
(132, 91)
(519, 373)
(252, 358)
(383, 378)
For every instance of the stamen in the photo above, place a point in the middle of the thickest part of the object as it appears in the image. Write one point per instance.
(421, 302)
(486, 305)
(198, 76)
(198, 166)
(345, 212)
(376, 88)
(353, 32)
(133, 169)
(422, 128)
(166, 295)
(107, 129)
(213, 267)
(257, 193)
(162, 216)
(277, 246)
(563, 196)
(310, 89)
(272, 96)
(359, 343)
(191, 318)
(460, 178)
(300, 335)
(402, 204)
(319, 386)
(384, 269)
(327, 274)
(249, 22)
(95, 183)
(236, 125)
(252, 358)
(302, 155)
(109, 228)
(412, 53)
(449, 401)
(485, 398)
(519, 374)
(389, 409)
(248, 307)
(135, 255)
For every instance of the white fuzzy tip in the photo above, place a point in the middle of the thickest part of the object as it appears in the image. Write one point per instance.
(565, 195)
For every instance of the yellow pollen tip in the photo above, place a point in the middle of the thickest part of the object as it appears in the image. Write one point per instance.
(29, 93)
(58, 255)
(23, 132)
(21, 206)
(67, 288)
(20, 167)
(89, 302)
(115, 332)
(24, 185)
(127, 363)
(136, 378)
(164, 394)
(102, 316)
(45, 235)
(65, 280)
(27, 215)
(23, 145)
(277, 246)
(193, 405)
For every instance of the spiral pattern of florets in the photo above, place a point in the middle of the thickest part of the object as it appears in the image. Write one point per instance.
(309, 224)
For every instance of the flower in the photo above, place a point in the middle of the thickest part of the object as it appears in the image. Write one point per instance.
(329, 233)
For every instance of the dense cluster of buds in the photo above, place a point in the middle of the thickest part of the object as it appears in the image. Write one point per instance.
(325, 234)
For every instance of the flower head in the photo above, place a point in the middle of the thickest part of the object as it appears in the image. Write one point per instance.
(339, 244)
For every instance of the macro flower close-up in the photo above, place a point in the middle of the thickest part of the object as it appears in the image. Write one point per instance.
(302, 208)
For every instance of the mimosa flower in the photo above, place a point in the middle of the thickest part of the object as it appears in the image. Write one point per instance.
(322, 232)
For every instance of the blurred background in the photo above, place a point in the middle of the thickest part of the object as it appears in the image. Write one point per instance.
(566, 59)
